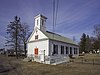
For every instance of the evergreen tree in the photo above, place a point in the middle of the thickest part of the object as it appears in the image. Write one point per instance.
(88, 44)
(83, 43)
(13, 29)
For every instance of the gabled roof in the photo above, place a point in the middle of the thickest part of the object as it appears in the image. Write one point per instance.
(57, 37)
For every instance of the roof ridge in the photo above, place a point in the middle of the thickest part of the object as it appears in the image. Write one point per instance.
(59, 37)
(53, 33)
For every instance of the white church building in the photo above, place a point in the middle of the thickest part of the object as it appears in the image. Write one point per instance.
(48, 47)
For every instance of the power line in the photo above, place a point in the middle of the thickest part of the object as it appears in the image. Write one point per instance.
(53, 15)
(56, 12)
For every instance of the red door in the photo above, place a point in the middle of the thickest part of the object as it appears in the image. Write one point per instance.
(36, 51)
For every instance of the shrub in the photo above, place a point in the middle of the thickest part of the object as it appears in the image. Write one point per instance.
(71, 56)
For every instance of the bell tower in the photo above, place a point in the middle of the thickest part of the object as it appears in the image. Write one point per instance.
(40, 22)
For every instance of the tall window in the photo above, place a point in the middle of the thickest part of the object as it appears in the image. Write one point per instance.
(66, 50)
(74, 50)
(70, 50)
(55, 49)
(37, 22)
(62, 49)
(42, 22)
(36, 37)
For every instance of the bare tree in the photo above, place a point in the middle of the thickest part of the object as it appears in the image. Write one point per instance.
(96, 43)
(24, 35)
(97, 30)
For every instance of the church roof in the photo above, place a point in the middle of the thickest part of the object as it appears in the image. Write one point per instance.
(40, 15)
(57, 37)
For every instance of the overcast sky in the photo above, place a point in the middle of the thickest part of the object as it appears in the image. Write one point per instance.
(74, 16)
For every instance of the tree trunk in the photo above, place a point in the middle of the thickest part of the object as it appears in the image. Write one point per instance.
(25, 48)
(16, 43)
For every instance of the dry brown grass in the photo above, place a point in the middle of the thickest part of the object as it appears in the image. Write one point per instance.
(19, 67)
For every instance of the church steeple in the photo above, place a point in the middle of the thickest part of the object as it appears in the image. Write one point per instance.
(40, 22)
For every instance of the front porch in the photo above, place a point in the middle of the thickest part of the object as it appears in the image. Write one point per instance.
(53, 60)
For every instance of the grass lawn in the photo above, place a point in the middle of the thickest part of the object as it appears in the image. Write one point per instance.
(13, 66)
